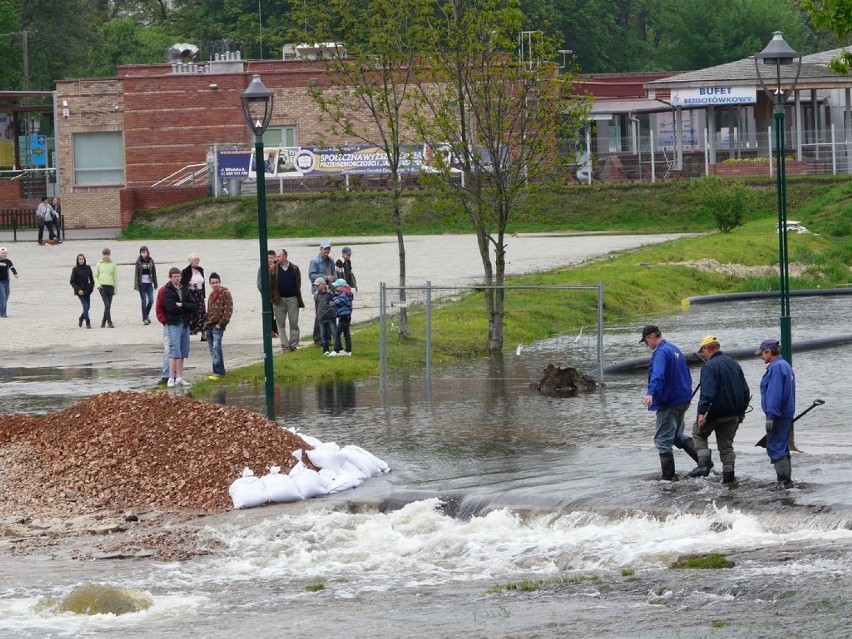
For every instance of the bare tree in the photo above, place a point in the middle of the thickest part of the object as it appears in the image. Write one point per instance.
(369, 51)
(500, 111)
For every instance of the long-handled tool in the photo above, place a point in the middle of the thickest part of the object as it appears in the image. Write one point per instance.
(817, 402)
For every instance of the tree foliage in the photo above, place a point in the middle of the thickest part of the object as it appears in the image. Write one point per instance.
(498, 110)
(725, 201)
(73, 38)
(836, 17)
(368, 81)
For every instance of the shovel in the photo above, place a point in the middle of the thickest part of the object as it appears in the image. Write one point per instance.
(791, 444)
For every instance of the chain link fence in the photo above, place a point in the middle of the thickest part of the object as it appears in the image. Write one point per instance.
(420, 325)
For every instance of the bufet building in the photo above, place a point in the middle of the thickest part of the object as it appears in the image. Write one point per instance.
(143, 139)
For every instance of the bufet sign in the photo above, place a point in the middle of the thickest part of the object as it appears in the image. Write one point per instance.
(713, 96)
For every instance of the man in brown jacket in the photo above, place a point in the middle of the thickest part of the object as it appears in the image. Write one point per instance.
(285, 289)
(220, 306)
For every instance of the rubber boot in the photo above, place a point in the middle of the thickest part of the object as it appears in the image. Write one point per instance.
(704, 464)
(783, 470)
(698, 471)
(729, 478)
(667, 463)
(689, 449)
(88, 323)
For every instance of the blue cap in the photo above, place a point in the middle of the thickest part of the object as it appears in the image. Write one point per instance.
(339, 282)
(325, 244)
(767, 344)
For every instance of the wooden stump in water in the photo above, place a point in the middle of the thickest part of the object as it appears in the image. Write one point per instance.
(563, 380)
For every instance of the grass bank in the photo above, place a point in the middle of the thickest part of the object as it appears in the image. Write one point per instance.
(664, 207)
(643, 283)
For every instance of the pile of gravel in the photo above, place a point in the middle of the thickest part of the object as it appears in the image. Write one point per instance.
(139, 451)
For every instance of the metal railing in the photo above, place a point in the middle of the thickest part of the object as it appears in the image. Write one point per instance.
(190, 175)
(429, 325)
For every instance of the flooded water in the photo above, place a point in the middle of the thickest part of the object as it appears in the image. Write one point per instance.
(493, 484)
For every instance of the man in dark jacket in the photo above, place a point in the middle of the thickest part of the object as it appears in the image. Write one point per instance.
(721, 408)
(669, 393)
(178, 305)
(285, 290)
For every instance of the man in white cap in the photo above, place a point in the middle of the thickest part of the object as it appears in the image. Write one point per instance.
(722, 406)
(321, 266)
(778, 402)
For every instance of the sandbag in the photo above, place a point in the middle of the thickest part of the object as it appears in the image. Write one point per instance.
(339, 480)
(248, 491)
(326, 456)
(309, 482)
(365, 460)
(280, 488)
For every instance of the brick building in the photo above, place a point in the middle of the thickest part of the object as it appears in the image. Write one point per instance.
(119, 139)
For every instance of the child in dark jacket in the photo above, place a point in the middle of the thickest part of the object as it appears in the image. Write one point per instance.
(326, 315)
(343, 305)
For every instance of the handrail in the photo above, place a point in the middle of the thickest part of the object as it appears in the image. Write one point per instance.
(183, 180)
(19, 173)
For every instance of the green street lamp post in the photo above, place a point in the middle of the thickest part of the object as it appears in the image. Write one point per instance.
(779, 53)
(257, 103)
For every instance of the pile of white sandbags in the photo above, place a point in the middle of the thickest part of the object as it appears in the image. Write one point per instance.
(339, 469)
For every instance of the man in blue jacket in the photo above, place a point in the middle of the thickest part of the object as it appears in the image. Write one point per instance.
(722, 406)
(778, 401)
(669, 393)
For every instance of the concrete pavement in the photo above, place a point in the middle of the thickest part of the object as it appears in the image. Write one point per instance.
(41, 328)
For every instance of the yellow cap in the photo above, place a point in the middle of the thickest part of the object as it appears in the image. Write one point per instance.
(710, 339)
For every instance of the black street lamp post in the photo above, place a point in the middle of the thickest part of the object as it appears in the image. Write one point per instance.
(257, 103)
(779, 53)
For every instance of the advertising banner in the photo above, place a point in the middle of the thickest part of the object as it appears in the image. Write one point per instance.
(355, 160)
(233, 164)
(314, 161)
(688, 130)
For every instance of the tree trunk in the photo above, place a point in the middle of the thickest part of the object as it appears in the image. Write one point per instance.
(404, 331)
(562, 380)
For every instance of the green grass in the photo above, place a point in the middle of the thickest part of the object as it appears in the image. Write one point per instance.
(536, 585)
(662, 207)
(637, 283)
(703, 562)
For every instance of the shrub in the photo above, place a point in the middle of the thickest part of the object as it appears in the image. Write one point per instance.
(725, 201)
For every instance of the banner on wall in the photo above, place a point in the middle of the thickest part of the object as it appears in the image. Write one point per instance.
(315, 161)
(688, 130)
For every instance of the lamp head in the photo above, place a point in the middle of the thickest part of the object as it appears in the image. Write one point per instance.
(778, 51)
(257, 105)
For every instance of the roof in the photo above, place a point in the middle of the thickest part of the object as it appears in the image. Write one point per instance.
(814, 75)
(628, 105)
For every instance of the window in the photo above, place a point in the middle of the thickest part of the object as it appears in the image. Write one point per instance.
(98, 158)
(280, 136)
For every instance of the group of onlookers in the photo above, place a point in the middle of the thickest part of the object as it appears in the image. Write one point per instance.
(332, 286)
(180, 306)
(184, 309)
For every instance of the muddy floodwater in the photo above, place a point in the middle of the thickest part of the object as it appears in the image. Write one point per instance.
(493, 487)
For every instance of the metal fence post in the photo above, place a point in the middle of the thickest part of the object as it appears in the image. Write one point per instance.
(600, 332)
(383, 336)
(429, 330)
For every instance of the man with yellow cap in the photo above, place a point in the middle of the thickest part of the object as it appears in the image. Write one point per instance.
(721, 408)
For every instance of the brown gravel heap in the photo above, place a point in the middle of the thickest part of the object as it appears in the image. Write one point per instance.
(140, 451)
